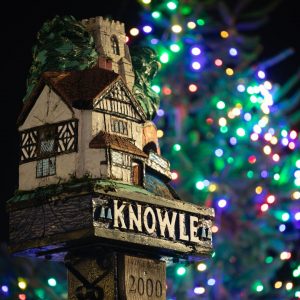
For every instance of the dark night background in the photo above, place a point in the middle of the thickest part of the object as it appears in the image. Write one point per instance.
(19, 27)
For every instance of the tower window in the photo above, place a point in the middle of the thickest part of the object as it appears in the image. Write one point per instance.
(115, 45)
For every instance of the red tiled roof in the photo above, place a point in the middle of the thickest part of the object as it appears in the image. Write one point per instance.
(80, 85)
(116, 142)
(71, 86)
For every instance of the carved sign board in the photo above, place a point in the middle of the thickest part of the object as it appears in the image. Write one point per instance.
(181, 228)
(142, 279)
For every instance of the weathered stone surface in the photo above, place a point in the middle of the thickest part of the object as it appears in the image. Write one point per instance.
(114, 215)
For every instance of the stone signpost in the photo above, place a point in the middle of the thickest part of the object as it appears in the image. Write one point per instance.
(94, 189)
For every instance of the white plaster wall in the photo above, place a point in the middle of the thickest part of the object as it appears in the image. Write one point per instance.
(91, 123)
(48, 109)
(137, 132)
(86, 136)
(97, 119)
(65, 166)
(92, 162)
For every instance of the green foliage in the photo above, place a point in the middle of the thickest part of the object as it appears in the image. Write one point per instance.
(145, 65)
(63, 43)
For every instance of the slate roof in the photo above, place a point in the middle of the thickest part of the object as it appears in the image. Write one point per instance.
(116, 142)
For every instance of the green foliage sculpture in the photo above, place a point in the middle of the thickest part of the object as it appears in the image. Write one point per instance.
(63, 43)
(145, 65)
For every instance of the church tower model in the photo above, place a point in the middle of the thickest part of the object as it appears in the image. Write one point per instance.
(94, 190)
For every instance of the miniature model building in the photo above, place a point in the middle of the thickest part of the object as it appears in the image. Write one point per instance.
(77, 123)
(91, 171)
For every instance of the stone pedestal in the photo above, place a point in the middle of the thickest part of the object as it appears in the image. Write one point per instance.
(115, 276)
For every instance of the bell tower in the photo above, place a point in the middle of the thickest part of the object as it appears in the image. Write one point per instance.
(110, 40)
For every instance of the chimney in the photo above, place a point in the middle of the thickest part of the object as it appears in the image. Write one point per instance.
(104, 63)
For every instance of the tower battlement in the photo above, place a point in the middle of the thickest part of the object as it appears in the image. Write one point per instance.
(110, 41)
(105, 24)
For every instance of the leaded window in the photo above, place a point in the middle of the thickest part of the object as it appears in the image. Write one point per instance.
(119, 126)
(46, 167)
(47, 141)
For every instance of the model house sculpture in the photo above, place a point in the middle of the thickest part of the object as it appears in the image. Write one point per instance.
(77, 123)
(91, 175)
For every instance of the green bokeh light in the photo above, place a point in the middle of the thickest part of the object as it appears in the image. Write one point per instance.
(219, 164)
(52, 281)
(186, 10)
(40, 293)
(177, 147)
(156, 88)
(221, 105)
(258, 286)
(200, 185)
(181, 271)
(156, 15)
(269, 259)
(171, 5)
(224, 129)
(250, 174)
(174, 48)
(285, 216)
(296, 273)
(230, 160)
(240, 132)
(164, 57)
(200, 22)
(276, 176)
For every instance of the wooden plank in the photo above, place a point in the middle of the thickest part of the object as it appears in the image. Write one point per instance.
(142, 278)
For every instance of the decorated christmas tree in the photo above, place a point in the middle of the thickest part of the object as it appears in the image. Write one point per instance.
(230, 136)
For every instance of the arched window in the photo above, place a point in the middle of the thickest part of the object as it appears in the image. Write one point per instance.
(115, 45)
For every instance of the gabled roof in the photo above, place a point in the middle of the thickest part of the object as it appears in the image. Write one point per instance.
(76, 88)
(116, 142)
(107, 93)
